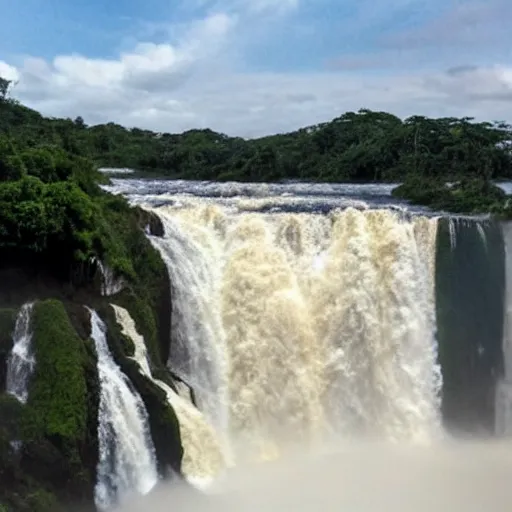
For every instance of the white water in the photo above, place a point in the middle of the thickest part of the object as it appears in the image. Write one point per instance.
(21, 362)
(127, 463)
(504, 388)
(297, 328)
(202, 458)
(110, 285)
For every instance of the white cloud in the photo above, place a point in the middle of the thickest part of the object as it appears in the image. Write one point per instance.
(260, 103)
(8, 72)
(194, 83)
(147, 67)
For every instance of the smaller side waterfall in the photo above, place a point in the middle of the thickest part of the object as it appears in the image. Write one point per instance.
(127, 462)
(203, 458)
(109, 285)
(21, 362)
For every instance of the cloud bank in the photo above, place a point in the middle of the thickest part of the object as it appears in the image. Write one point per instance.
(451, 62)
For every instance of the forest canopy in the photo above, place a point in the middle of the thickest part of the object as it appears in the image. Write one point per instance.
(51, 163)
(356, 146)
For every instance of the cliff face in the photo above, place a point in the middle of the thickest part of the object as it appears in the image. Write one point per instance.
(470, 278)
(49, 445)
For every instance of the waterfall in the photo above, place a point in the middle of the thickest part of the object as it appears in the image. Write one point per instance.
(202, 455)
(504, 389)
(127, 462)
(21, 362)
(110, 285)
(297, 327)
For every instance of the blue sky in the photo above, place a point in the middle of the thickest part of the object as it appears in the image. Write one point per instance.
(251, 67)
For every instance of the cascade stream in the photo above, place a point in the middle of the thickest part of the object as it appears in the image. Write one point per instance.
(127, 462)
(21, 362)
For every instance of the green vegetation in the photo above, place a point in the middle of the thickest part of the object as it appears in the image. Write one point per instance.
(57, 224)
(56, 227)
(362, 146)
(56, 406)
(469, 195)
(54, 215)
(54, 465)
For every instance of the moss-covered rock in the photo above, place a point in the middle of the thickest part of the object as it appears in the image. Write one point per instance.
(61, 408)
(150, 222)
(128, 252)
(10, 414)
(163, 423)
(57, 401)
(7, 322)
(56, 464)
(19, 490)
(41, 501)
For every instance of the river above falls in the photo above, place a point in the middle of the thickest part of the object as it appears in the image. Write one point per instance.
(291, 197)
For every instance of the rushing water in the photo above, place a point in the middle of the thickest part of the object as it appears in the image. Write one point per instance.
(21, 362)
(127, 462)
(294, 325)
(300, 314)
(202, 455)
(309, 315)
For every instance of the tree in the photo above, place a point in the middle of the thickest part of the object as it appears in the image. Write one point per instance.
(4, 87)
(79, 122)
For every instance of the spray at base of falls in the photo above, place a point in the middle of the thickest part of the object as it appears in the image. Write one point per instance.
(296, 328)
(444, 477)
(202, 455)
(127, 463)
(21, 362)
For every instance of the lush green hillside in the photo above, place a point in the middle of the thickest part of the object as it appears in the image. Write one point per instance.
(56, 227)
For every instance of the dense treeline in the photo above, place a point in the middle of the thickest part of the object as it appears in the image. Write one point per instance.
(357, 146)
(362, 146)
(52, 210)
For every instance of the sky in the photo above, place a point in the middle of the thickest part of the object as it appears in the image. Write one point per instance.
(257, 67)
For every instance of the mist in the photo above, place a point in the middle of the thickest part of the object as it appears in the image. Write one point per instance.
(446, 477)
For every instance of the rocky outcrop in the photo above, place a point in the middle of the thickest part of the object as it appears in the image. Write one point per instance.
(7, 321)
(49, 447)
(150, 222)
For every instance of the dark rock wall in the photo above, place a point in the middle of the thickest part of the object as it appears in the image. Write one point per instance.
(470, 276)
(56, 469)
